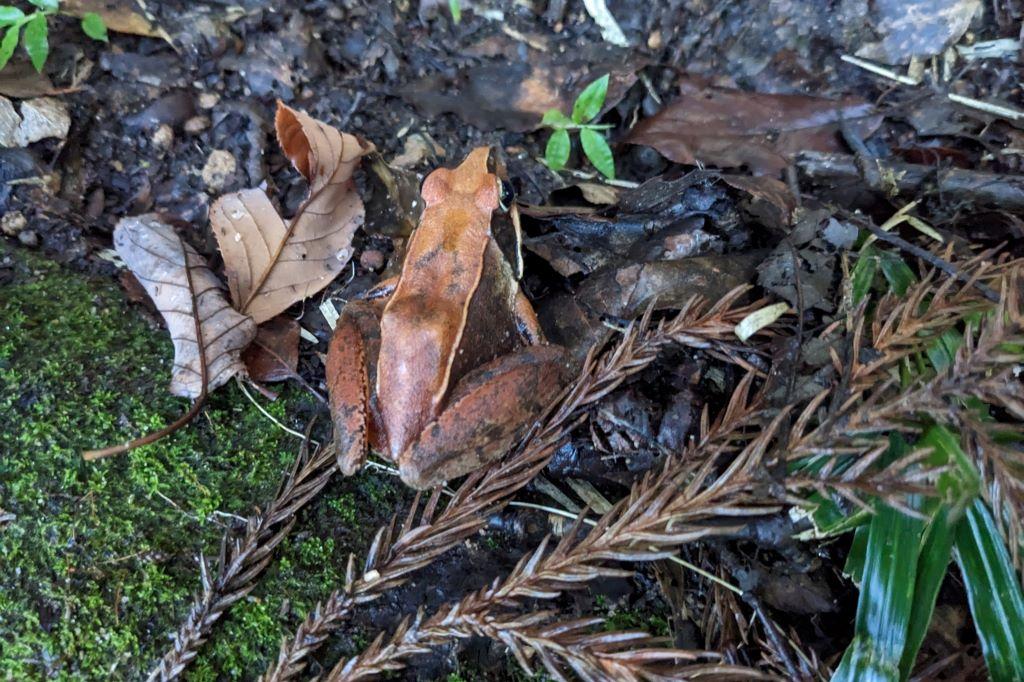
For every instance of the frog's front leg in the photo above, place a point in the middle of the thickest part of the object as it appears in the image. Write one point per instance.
(487, 412)
(351, 372)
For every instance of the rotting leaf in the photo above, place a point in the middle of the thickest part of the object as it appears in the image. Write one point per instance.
(732, 128)
(272, 264)
(628, 291)
(274, 354)
(19, 80)
(157, 256)
(771, 200)
(122, 16)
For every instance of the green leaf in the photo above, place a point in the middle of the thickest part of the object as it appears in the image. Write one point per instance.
(46, 5)
(557, 152)
(456, 9)
(589, 103)
(556, 119)
(854, 566)
(94, 26)
(932, 565)
(863, 274)
(8, 44)
(598, 151)
(993, 593)
(10, 15)
(897, 272)
(961, 482)
(886, 597)
(942, 352)
(35, 41)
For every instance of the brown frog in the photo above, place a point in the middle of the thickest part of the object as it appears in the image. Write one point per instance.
(442, 368)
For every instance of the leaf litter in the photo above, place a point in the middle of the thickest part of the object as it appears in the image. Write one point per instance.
(270, 265)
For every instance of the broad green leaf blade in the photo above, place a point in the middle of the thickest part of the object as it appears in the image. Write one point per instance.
(35, 41)
(993, 592)
(942, 352)
(10, 15)
(886, 598)
(854, 566)
(46, 5)
(863, 274)
(931, 569)
(455, 7)
(589, 103)
(598, 151)
(897, 272)
(557, 152)
(961, 482)
(8, 44)
(556, 119)
(94, 27)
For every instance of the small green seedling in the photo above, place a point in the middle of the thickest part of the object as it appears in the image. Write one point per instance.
(34, 39)
(455, 7)
(584, 111)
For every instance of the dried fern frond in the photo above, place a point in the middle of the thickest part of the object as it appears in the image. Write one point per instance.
(243, 560)
(393, 558)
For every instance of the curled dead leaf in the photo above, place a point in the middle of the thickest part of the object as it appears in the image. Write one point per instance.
(272, 263)
(770, 200)
(180, 282)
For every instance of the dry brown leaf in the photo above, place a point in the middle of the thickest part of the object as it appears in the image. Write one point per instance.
(274, 355)
(271, 263)
(157, 257)
(123, 16)
(730, 128)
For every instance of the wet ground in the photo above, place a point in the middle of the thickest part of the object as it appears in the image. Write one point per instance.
(167, 126)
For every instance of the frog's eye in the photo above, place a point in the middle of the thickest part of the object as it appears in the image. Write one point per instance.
(506, 195)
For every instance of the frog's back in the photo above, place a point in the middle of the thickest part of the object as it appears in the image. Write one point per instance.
(424, 321)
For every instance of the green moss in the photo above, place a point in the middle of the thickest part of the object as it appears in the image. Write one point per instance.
(98, 565)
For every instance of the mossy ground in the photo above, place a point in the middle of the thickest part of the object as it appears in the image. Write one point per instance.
(98, 565)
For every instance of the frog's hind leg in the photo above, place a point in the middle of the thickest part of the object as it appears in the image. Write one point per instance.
(351, 372)
(489, 410)
(526, 320)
